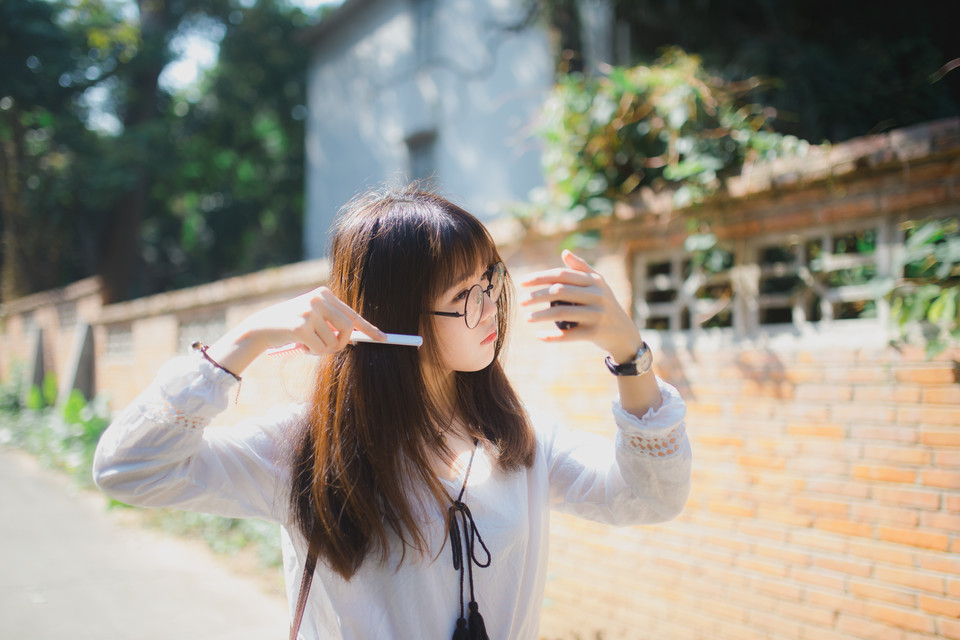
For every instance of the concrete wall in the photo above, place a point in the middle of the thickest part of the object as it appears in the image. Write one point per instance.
(381, 76)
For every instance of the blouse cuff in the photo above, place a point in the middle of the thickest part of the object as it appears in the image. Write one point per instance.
(659, 432)
(188, 392)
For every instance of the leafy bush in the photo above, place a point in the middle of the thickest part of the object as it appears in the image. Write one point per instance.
(669, 126)
(927, 299)
(63, 437)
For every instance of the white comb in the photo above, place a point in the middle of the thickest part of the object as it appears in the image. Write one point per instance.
(357, 336)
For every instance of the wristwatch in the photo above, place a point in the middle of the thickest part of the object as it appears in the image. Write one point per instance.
(638, 365)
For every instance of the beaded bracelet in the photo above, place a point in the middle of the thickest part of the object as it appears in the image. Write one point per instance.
(202, 348)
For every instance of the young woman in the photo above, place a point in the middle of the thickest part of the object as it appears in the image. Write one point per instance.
(414, 475)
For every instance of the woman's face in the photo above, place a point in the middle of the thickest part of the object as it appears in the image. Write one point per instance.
(462, 348)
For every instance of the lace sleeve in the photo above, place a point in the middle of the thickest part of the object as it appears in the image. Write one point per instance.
(157, 452)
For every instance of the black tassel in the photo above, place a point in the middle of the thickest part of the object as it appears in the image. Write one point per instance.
(460, 633)
(478, 630)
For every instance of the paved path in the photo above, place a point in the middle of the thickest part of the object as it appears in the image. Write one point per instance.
(71, 570)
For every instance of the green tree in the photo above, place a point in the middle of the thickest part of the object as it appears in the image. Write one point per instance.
(233, 200)
(184, 190)
(842, 69)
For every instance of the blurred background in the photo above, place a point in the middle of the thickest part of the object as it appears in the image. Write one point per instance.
(770, 185)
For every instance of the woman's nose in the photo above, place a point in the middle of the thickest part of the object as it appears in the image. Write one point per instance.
(489, 306)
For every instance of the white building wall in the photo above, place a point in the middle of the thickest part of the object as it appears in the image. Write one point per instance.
(477, 85)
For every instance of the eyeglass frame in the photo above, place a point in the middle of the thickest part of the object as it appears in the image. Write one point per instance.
(484, 294)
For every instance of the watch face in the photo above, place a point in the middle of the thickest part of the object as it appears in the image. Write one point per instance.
(644, 359)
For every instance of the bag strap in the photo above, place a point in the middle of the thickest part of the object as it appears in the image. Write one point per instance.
(305, 583)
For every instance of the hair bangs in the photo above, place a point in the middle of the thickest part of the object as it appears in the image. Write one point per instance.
(463, 247)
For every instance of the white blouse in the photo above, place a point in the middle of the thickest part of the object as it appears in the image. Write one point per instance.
(157, 453)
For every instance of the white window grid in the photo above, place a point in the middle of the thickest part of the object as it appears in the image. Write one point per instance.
(67, 315)
(119, 343)
(753, 295)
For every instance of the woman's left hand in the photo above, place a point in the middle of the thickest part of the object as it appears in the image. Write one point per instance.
(601, 319)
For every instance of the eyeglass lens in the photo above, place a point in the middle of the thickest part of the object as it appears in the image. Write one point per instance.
(491, 283)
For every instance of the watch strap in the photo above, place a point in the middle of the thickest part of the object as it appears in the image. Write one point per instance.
(638, 365)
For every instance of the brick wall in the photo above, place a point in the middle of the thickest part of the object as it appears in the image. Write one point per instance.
(826, 483)
(826, 495)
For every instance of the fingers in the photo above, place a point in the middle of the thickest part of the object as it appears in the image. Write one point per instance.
(353, 319)
(574, 261)
(327, 323)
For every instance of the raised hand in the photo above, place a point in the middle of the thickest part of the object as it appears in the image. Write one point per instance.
(599, 316)
(317, 320)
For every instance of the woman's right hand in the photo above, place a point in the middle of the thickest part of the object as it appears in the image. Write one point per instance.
(317, 320)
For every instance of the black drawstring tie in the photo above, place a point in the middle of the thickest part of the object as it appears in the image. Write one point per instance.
(472, 627)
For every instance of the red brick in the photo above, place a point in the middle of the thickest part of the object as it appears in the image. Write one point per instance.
(919, 499)
(816, 430)
(942, 563)
(915, 538)
(874, 512)
(952, 503)
(943, 479)
(902, 455)
(776, 588)
(843, 487)
(929, 415)
(763, 462)
(884, 474)
(861, 628)
(953, 588)
(815, 506)
(761, 530)
(798, 376)
(793, 556)
(849, 209)
(845, 527)
(935, 438)
(818, 540)
(824, 393)
(949, 629)
(860, 414)
(939, 606)
(704, 409)
(887, 393)
(806, 613)
(929, 582)
(900, 617)
(874, 591)
(754, 409)
(942, 395)
(719, 441)
(884, 433)
(928, 375)
(947, 458)
(845, 566)
(946, 522)
(883, 552)
(824, 580)
(751, 563)
(915, 198)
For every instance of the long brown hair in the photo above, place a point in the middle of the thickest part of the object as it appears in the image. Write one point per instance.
(368, 436)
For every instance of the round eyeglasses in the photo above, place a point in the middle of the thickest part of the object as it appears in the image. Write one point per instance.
(491, 284)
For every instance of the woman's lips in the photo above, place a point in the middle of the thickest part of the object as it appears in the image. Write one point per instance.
(490, 338)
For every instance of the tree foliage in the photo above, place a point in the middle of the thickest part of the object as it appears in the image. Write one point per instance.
(188, 188)
(667, 126)
(927, 298)
(840, 69)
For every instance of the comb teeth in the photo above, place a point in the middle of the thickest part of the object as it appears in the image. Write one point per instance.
(286, 350)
